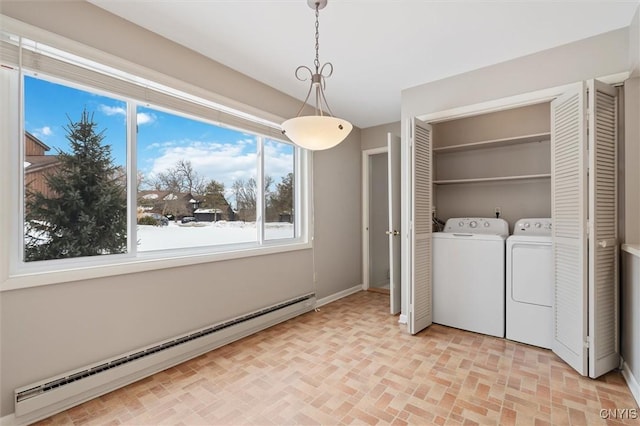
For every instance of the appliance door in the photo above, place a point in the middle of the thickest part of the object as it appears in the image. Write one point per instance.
(531, 273)
(530, 290)
(468, 282)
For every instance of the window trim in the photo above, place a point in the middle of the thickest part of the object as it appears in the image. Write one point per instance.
(17, 274)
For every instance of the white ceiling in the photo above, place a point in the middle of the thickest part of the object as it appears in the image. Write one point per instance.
(377, 47)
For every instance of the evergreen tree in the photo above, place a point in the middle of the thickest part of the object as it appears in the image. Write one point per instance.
(214, 198)
(281, 201)
(87, 213)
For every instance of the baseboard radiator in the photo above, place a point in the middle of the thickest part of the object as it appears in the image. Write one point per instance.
(43, 399)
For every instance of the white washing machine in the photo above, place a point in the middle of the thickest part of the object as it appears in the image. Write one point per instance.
(468, 275)
(530, 283)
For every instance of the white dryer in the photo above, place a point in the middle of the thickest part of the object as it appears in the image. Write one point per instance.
(530, 283)
(468, 275)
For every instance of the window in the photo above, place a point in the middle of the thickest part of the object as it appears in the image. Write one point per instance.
(75, 191)
(115, 167)
(200, 177)
(279, 172)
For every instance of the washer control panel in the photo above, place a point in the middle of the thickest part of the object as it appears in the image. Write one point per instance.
(533, 226)
(477, 225)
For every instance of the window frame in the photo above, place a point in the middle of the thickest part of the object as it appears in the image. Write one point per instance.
(20, 274)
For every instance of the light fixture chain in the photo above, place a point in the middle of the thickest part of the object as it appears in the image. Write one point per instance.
(317, 61)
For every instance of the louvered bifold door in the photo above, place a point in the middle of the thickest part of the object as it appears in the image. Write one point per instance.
(420, 308)
(569, 214)
(603, 245)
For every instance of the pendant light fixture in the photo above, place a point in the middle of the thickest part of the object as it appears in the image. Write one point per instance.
(321, 130)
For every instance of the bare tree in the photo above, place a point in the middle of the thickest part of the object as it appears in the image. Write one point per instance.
(246, 195)
(192, 182)
(180, 179)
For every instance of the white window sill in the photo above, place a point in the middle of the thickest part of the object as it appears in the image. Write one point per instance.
(144, 262)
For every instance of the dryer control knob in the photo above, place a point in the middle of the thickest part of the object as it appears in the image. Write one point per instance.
(538, 225)
(487, 224)
(460, 224)
(473, 224)
(526, 224)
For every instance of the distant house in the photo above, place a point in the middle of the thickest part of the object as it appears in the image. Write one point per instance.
(37, 164)
(165, 203)
(181, 204)
(213, 207)
(208, 215)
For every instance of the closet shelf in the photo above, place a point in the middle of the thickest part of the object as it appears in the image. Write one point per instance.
(494, 143)
(492, 179)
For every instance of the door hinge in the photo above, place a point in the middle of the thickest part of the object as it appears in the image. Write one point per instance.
(586, 342)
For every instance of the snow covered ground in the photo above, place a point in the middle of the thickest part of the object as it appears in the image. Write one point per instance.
(198, 234)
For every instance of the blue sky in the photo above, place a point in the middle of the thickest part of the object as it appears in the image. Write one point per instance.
(163, 138)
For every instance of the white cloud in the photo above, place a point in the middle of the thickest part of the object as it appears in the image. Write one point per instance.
(141, 118)
(145, 118)
(109, 110)
(42, 132)
(278, 160)
(224, 162)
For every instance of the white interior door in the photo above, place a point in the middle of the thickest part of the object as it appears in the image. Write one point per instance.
(569, 213)
(420, 283)
(603, 246)
(393, 157)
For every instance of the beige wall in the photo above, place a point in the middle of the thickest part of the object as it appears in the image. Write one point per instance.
(376, 137)
(602, 55)
(51, 329)
(516, 199)
(634, 44)
(630, 282)
(338, 216)
(632, 161)
(510, 123)
(632, 137)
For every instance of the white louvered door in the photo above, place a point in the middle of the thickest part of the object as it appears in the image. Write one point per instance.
(569, 213)
(603, 231)
(420, 303)
(584, 212)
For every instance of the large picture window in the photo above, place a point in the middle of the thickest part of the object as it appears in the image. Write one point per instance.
(113, 166)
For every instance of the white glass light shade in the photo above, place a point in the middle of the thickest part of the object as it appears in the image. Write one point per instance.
(316, 132)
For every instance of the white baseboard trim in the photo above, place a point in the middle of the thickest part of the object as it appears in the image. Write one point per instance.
(633, 384)
(338, 295)
(402, 319)
(8, 420)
